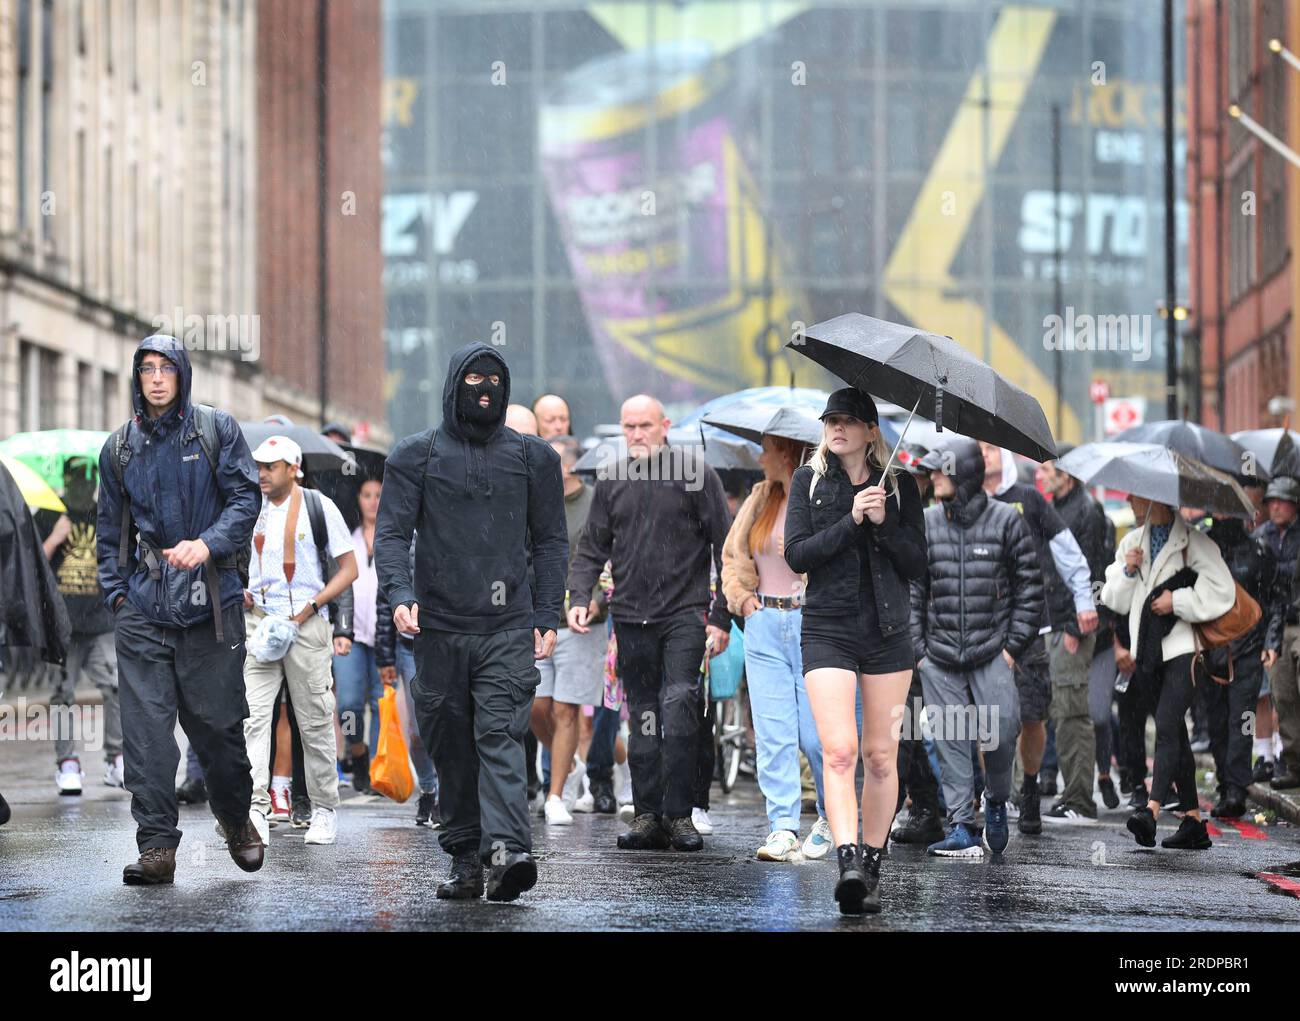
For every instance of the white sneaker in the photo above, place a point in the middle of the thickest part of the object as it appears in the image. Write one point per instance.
(556, 813)
(280, 811)
(260, 824)
(324, 826)
(538, 804)
(623, 783)
(68, 778)
(573, 783)
(115, 773)
(781, 845)
(626, 813)
(819, 840)
(700, 818)
(586, 803)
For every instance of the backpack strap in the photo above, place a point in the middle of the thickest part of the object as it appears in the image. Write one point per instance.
(319, 531)
(121, 457)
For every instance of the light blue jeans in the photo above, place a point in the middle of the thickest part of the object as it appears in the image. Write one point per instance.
(357, 688)
(783, 719)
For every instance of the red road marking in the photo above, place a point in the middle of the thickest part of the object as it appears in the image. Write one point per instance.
(1281, 882)
(1248, 830)
(1212, 830)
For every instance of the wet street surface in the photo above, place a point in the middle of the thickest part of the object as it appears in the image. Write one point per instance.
(61, 865)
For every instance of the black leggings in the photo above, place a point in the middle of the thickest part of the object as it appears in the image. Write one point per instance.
(1174, 763)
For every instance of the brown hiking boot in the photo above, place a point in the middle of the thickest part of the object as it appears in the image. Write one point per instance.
(245, 845)
(156, 865)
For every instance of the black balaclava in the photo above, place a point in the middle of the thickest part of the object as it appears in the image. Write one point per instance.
(479, 423)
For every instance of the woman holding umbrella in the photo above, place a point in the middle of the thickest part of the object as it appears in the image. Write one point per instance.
(860, 538)
(1165, 578)
(761, 588)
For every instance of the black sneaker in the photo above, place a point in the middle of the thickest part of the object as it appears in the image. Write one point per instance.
(300, 813)
(426, 812)
(515, 875)
(1031, 819)
(1139, 797)
(1191, 836)
(1109, 796)
(1263, 770)
(645, 834)
(1125, 784)
(466, 879)
(361, 773)
(851, 890)
(1142, 824)
(4, 810)
(192, 792)
(1061, 812)
(922, 827)
(683, 835)
(1047, 788)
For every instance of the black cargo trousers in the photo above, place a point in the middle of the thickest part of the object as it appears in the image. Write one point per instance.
(473, 695)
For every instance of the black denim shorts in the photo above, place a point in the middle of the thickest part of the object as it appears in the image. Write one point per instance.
(850, 642)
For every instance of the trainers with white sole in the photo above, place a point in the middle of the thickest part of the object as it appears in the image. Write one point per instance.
(819, 840)
(703, 824)
(556, 813)
(573, 784)
(626, 813)
(115, 773)
(587, 802)
(623, 783)
(324, 826)
(781, 845)
(69, 777)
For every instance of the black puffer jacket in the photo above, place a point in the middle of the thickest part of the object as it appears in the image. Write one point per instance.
(821, 540)
(983, 592)
(1285, 544)
(1254, 568)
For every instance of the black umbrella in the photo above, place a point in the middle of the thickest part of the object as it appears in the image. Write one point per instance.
(1212, 448)
(932, 375)
(1277, 448)
(343, 484)
(318, 453)
(1157, 473)
(755, 423)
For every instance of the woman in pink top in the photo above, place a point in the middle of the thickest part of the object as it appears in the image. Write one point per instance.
(761, 588)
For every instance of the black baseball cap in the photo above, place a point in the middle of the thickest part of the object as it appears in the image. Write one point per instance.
(850, 400)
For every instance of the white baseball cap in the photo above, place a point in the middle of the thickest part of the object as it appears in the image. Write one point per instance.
(279, 448)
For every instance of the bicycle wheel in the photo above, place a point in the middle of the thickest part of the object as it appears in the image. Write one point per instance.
(731, 732)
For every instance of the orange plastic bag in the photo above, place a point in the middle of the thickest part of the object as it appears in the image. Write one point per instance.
(390, 767)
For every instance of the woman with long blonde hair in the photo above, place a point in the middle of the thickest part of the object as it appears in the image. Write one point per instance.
(760, 587)
(860, 538)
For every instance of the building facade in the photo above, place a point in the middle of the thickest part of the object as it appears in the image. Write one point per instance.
(1245, 278)
(126, 177)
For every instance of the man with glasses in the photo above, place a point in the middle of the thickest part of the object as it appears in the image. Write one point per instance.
(179, 479)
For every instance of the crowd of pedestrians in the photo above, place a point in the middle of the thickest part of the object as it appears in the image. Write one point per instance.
(931, 641)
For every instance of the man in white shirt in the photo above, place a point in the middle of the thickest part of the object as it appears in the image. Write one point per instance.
(287, 582)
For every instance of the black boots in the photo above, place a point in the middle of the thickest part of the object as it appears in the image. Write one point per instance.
(851, 890)
(1191, 836)
(157, 865)
(466, 879)
(192, 792)
(361, 771)
(1232, 804)
(682, 834)
(871, 865)
(645, 834)
(602, 792)
(923, 826)
(516, 874)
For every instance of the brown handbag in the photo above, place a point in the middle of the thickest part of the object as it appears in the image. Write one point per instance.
(1216, 633)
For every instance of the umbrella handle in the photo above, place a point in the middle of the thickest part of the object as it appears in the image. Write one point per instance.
(894, 453)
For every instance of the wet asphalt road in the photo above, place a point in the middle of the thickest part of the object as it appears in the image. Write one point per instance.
(61, 862)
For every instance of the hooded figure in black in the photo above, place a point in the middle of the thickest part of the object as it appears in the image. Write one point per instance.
(480, 498)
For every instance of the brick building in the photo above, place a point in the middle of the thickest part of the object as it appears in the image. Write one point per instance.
(1244, 209)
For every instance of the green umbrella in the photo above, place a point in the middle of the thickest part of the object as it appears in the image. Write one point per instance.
(46, 452)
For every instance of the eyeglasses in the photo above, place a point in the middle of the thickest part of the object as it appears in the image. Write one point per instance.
(165, 369)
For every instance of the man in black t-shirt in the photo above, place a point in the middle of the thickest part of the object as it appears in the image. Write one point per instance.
(69, 541)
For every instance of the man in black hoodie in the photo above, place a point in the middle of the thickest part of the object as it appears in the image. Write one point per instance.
(660, 517)
(481, 497)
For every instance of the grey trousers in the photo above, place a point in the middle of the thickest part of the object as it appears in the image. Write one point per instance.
(961, 707)
(96, 658)
(473, 695)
